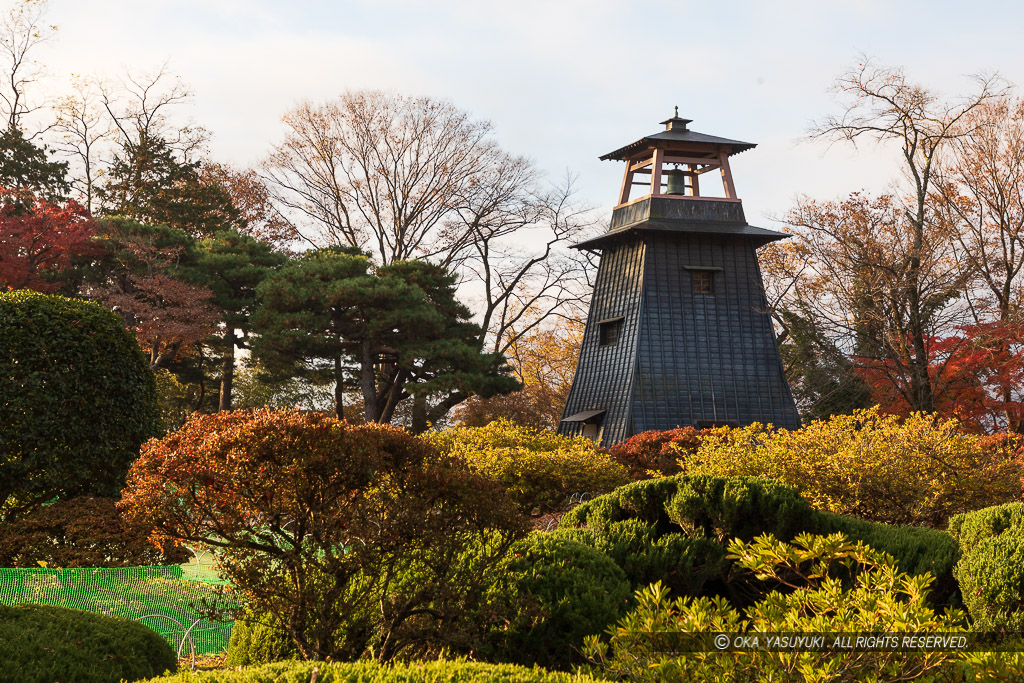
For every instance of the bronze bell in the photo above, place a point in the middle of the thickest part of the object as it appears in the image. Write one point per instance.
(675, 180)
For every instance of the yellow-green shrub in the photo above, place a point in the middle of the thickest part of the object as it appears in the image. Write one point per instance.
(828, 585)
(919, 470)
(539, 469)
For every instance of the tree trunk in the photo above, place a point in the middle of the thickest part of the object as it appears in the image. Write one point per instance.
(419, 413)
(227, 370)
(339, 389)
(367, 381)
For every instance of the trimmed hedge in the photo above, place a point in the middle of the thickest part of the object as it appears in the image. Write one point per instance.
(45, 644)
(78, 399)
(675, 529)
(557, 591)
(991, 571)
(368, 672)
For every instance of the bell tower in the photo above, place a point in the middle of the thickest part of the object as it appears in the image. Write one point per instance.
(678, 332)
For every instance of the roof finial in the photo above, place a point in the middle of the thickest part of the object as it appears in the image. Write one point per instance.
(676, 113)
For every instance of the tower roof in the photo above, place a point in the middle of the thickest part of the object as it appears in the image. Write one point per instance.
(676, 131)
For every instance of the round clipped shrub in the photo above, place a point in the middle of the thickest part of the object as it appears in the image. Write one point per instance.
(45, 644)
(971, 528)
(80, 532)
(438, 671)
(991, 569)
(540, 470)
(558, 592)
(78, 400)
(675, 530)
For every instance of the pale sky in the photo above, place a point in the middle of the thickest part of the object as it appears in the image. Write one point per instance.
(561, 81)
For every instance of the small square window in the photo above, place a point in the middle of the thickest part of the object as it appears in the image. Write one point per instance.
(703, 282)
(608, 331)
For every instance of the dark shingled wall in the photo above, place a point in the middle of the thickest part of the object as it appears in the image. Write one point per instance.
(681, 358)
(605, 375)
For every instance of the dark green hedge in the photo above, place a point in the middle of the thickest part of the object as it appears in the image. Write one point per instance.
(78, 399)
(46, 644)
(674, 529)
(368, 672)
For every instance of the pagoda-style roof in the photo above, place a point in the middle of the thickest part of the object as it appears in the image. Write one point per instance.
(677, 132)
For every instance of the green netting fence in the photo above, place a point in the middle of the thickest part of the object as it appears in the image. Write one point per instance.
(169, 599)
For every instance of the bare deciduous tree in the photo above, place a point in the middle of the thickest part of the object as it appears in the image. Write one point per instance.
(408, 178)
(22, 29)
(882, 105)
(84, 127)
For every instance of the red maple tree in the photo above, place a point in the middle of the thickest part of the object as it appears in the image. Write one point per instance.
(39, 239)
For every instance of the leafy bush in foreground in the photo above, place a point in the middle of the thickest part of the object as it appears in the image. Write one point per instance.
(78, 399)
(916, 471)
(830, 585)
(314, 522)
(539, 469)
(369, 672)
(674, 530)
(45, 644)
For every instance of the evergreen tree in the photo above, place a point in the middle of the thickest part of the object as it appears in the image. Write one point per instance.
(394, 332)
(150, 182)
(234, 265)
(26, 169)
(823, 379)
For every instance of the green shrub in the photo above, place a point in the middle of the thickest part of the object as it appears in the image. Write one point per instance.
(259, 640)
(557, 591)
(917, 471)
(970, 528)
(368, 672)
(80, 532)
(832, 586)
(918, 550)
(539, 469)
(991, 569)
(46, 644)
(674, 529)
(78, 400)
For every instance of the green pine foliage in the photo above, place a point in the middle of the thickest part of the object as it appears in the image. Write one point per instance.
(553, 592)
(43, 644)
(78, 400)
(393, 332)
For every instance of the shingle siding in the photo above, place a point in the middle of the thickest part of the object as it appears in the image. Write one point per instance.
(681, 358)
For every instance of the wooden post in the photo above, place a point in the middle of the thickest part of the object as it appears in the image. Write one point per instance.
(627, 182)
(730, 188)
(695, 180)
(659, 156)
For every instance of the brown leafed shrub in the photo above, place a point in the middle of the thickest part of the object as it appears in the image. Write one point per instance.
(354, 538)
(80, 532)
(656, 452)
